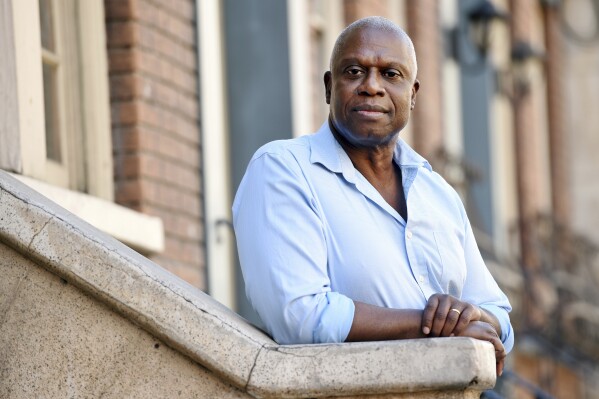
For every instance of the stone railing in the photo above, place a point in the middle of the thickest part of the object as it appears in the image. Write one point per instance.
(82, 315)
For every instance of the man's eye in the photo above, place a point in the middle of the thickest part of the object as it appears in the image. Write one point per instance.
(354, 71)
(391, 74)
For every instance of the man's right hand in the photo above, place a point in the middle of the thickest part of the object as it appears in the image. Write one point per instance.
(486, 332)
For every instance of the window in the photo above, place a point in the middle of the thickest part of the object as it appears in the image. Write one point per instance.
(53, 69)
(62, 84)
(55, 128)
(326, 22)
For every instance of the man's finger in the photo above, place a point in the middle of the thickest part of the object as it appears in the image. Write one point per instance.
(454, 317)
(499, 354)
(443, 308)
(466, 317)
(429, 314)
(499, 368)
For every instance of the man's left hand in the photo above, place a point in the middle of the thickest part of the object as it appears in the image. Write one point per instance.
(446, 316)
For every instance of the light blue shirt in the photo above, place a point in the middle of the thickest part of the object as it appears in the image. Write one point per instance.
(314, 235)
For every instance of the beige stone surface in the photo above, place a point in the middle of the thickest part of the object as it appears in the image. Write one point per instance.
(82, 315)
(57, 342)
(366, 367)
(174, 311)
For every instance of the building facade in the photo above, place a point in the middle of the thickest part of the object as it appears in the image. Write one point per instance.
(141, 116)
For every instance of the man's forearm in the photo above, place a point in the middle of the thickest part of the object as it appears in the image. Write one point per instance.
(374, 323)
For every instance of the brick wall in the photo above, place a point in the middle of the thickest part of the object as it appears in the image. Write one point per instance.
(356, 9)
(427, 118)
(155, 133)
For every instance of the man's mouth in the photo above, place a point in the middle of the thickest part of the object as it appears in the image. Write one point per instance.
(370, 110)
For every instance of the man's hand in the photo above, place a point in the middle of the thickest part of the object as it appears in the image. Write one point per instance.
(486, 332)
(445, 315)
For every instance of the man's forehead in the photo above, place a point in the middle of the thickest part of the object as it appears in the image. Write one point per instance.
(371, 40)
(375, 35)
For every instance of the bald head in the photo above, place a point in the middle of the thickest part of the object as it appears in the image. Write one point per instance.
(376, 23)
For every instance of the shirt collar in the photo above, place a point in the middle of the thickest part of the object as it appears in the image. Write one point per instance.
(405, 156)
(326, 151)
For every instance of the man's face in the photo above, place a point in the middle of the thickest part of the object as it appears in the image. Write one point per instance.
(371, 87)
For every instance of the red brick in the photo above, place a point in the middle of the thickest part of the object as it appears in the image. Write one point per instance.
(122, 60)
(128, 191)
(184, 78)
(178, 225)
(182, 9)
(149, 139)
(182, 30)
(161, 118)
(152, 64)
(148, 14)
(168, 146)
(184, 177)
(151, 115)
(125, 87)
(192, 252)
(183, 251)
(152, 39)
(168, 197)
(120, 9)
(356, 9)
(125, 113)
(193, 274)
(122, 33)
(153, 167)
(168, 72)
(177, 28)
(126, 139)
(127, 166)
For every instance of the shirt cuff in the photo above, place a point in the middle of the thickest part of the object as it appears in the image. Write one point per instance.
(507, 333)
(336, 319)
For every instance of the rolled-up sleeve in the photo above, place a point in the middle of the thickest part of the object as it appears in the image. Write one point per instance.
(480, 288)
(283, 257)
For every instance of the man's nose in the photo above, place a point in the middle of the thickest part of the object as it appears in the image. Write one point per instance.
(371, 85)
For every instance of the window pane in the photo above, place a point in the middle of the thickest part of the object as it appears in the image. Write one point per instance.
(51, 112)
(46, 24)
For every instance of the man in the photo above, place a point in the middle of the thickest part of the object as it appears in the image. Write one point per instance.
(348, 234)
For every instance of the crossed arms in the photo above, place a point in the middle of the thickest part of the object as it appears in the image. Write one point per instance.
(438, 319)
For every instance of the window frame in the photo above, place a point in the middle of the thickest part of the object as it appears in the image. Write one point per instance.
(84, 94)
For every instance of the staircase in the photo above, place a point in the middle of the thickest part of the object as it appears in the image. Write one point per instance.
(82, 315)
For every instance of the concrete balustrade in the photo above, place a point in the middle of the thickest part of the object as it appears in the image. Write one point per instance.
(82, 315)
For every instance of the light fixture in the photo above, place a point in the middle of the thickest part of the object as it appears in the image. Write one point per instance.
(480, 20)
(515, 82)
(470, 41)
(523, 54)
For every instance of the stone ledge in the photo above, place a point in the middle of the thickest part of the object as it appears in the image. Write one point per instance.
(438, 364)
(197, 326)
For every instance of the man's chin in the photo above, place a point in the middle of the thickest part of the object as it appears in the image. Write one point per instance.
(366, 136)
(374, 139)
(370, 137)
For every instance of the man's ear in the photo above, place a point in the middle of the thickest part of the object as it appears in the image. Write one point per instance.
(327, 86)
(415, 88)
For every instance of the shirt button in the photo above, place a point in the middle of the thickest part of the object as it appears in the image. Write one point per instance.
(409, 234)
(421, 278)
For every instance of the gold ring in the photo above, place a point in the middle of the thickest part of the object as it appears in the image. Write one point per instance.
(455, 310)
